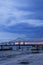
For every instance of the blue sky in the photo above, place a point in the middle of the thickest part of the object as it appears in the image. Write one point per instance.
(21, 18)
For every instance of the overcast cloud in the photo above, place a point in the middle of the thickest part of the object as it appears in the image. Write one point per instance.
(15, 12)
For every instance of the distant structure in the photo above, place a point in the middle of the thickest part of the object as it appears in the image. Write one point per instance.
(36, 45)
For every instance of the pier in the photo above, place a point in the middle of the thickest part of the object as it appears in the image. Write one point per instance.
(35, 46)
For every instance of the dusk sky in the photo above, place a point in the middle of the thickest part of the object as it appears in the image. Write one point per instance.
(21, 18)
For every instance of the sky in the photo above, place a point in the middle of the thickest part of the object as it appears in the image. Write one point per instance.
(21, 18)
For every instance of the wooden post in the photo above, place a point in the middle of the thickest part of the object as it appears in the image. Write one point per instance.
(19, 46)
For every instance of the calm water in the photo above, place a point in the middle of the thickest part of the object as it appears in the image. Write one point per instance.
(17, 47)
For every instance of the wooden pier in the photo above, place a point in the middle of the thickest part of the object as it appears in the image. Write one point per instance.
(36, 46)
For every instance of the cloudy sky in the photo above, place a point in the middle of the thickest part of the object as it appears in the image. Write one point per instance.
(21, 18)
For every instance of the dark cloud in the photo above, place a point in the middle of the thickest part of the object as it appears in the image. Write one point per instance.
(26, 29)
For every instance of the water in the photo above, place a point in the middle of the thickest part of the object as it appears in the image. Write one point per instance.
(16, 47)
(21, 47)
(4, 54)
